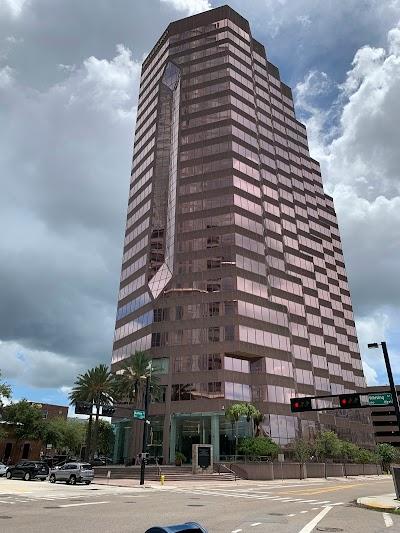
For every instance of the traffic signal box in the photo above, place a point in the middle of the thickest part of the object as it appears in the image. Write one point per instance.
(349, 401)
(299, 405)
(83, 408)
(107, 410)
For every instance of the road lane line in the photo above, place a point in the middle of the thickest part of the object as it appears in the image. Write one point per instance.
(293, 514)
(387, 519)
(311, 525)
(256, 524)
(88, 503)
(236, 530)
(303, 512)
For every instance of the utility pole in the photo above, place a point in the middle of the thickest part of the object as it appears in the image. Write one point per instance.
(391, 382)
(144, 445)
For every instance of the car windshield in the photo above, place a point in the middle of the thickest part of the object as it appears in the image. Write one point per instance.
(86, 467)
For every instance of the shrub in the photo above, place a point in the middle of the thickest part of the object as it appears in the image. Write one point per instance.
(258, 446)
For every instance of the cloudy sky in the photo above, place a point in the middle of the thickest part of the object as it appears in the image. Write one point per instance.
(69, 73)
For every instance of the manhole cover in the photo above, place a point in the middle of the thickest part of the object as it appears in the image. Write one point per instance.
(329, 529)
(195, 505)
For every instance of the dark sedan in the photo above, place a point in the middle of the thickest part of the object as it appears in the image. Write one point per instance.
(28, 470)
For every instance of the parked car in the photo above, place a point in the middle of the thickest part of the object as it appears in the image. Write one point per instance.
(28, 470)
(72, 473)
(101, 461)
(3, 469)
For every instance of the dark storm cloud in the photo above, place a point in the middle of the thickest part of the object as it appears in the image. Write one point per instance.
(68, 95)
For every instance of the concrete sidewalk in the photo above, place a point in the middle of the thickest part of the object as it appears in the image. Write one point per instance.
(384, 502)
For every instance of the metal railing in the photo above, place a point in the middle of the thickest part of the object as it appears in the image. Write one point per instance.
(227, 470)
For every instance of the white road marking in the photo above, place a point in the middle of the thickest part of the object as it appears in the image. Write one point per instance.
(303, 512)
(315, 509)
(387, 519)
(87, 503)
(255, 524)
(236, 530)
(339, 503)
(311, 525)
(294, 514)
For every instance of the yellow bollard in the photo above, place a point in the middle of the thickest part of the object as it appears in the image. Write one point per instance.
(162, 479)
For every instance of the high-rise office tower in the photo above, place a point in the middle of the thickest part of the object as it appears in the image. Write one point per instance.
(233, 277)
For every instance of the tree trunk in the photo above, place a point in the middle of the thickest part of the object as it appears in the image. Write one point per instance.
(96, 431)
(88, 438)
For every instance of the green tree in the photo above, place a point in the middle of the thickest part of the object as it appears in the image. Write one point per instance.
(66, 435)
(327, 445)
(96, 386)
(233, 414)
(387, 454)
(130, 383)
(106, 438)
(349, 451)
(258, 447)
(238, 410)
(5, 391)
(27, 420)
(366, 456)
(258, 418)
(303, 450)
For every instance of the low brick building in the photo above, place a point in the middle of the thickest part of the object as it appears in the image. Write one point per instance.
(12, 450)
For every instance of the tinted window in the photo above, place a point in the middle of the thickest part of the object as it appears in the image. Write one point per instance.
(86, 467)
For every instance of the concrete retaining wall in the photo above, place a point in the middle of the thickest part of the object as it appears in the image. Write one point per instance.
(269, 471)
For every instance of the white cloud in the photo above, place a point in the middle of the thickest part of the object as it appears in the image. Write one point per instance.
(6, 77)
(371, 375)
(14, 6)
(361, 170)
(64, 246)
(191, 7)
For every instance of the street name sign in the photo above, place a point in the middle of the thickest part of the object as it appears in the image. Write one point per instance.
(380, 398)
(139, 414)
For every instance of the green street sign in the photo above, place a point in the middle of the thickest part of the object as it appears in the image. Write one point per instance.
(139, 414)
(380, 398)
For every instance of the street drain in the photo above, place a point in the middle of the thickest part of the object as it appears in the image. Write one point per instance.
(195, 505)
(330, 529)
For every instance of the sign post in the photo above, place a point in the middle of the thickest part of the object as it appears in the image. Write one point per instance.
(202, 458)
(380, 399)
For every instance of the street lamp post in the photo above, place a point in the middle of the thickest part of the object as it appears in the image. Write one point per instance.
(144, 444)
(390, 376)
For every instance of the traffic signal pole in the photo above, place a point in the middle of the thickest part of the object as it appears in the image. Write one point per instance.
(391, 382)
(144, 445)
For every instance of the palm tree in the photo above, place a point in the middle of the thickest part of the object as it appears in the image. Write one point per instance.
(258, 419)
(95, 386)
(130, 382)
(233, 414)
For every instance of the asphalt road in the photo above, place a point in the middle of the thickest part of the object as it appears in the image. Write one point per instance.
(243, 507)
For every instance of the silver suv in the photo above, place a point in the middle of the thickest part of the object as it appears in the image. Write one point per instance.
(72, 473)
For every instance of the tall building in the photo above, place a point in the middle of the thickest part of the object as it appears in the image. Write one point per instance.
(233, 277)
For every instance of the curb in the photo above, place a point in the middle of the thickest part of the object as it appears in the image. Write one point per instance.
(377, 507)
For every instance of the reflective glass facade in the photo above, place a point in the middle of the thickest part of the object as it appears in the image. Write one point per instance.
(232, 265)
